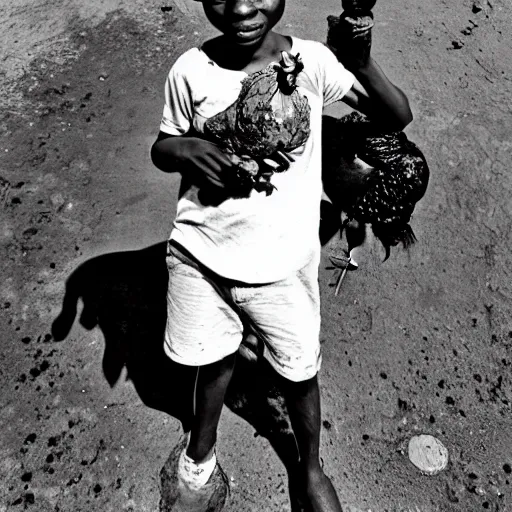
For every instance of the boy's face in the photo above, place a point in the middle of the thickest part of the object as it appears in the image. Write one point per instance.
(244, 22)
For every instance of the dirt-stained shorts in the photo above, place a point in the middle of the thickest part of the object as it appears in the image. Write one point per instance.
(207, 317)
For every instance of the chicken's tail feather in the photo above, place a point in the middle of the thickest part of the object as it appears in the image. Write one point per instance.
(393, 234)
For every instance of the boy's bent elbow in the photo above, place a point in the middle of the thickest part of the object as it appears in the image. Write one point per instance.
(154, 154)
(159, 154)
(395, 122)
(405, 119)
(408, 116)
(402, 111)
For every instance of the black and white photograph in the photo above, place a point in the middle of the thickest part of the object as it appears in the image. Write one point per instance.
(256, 256)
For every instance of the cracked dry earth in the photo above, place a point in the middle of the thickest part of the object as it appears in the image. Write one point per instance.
(91, 411)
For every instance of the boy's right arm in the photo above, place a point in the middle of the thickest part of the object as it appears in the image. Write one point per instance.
(374, 95)
(176, 149)
(201, 160)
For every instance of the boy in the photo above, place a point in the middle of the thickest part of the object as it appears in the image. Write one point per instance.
(250, 264)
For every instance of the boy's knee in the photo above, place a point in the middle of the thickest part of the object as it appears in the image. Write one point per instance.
(301, 372)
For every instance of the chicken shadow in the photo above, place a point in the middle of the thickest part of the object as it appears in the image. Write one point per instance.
(124, 294)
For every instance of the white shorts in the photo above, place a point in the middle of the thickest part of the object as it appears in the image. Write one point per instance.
(208, 315)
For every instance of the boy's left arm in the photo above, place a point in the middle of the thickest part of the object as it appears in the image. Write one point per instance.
(374, 95)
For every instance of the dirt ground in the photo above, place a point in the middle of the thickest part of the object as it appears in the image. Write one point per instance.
(91, 409)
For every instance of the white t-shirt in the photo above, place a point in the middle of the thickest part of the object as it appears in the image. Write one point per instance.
(259, 239)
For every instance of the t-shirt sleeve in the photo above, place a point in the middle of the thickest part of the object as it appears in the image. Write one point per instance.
(178, 111)
(335, 79)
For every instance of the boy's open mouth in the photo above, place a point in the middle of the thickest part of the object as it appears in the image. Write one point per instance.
(248, 32)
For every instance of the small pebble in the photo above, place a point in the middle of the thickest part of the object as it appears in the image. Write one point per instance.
(57, 200)
(428, 454)
(30, 439)
(477, 7)
(26, 477)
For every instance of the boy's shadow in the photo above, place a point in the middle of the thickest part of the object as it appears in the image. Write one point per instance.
(124, 294)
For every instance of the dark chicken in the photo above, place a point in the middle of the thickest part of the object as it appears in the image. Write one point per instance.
(384, 194)
(269, 119)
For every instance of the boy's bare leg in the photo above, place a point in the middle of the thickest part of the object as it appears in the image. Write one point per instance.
(303, 403)
(211, 386)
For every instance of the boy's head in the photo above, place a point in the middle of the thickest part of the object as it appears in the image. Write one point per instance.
(244, 22)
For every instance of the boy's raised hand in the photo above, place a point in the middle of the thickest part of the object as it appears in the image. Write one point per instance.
(201, 160)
